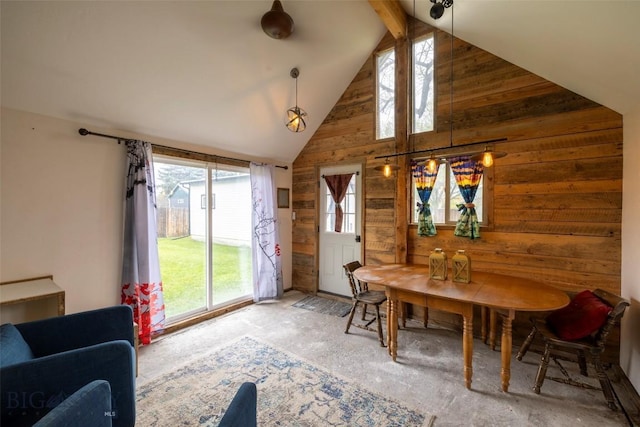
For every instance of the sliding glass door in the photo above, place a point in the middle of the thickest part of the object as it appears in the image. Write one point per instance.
(230, 233)
(204, 235)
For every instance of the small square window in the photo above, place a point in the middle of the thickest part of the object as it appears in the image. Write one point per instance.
(444, 199)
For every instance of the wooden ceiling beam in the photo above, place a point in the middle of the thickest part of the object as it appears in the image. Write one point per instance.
(393, 16)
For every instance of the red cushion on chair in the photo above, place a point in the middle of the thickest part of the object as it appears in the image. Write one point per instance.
(584, 315)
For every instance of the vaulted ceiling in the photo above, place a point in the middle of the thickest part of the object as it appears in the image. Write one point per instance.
(203, 72)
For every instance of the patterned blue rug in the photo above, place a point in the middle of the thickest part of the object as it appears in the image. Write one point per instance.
(291, 392)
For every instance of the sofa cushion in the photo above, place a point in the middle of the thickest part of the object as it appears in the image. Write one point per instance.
(13, 348)
(585, 314)
(89, 406)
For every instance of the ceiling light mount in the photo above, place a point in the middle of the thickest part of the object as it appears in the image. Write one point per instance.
(296, 116)
(437, 10)
(277, 23)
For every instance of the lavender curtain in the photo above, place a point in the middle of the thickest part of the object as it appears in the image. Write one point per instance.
(267, 268)
(338, 185)
(141, 281)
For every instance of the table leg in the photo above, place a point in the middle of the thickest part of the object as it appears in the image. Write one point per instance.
(467, 344)
(136, 331)
(483, 323)
(393, 329)
(505, 349)
(388, 324)
(492, 328)
(61, 308)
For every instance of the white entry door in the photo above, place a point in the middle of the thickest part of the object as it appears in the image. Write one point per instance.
(339, 248)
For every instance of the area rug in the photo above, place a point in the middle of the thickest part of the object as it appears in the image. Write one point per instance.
(324, 305)
(291, 392)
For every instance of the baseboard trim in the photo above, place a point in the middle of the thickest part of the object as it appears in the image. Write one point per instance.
(203, 316)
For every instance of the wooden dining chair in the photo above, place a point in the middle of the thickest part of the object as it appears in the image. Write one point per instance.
(362, 296)
(580, 329)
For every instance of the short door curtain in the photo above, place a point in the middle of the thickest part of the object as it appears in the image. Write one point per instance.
(338, 185)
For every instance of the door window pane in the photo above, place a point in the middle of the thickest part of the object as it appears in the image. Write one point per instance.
(348, 208)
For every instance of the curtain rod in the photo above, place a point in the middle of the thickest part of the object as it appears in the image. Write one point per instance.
(84, 132)
(355, 173)
(433, 150)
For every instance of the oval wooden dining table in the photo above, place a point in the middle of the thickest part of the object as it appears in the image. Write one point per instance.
(410, 283)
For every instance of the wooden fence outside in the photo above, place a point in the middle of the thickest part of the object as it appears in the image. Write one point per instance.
(173, 222)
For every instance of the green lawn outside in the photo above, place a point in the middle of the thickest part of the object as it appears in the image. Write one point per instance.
(182, 265)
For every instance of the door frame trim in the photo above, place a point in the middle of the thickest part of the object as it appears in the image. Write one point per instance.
(318, 177)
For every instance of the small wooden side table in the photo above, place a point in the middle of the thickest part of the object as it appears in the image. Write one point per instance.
(136, 331)
(26, 290)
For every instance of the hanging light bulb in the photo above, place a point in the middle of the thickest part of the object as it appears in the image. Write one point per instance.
(295, 115)
(487, 159)
(387, 169)
(432, 164)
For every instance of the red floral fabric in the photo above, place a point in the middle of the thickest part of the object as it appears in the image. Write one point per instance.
(146, 305)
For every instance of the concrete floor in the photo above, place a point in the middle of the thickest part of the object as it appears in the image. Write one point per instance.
(426, 376)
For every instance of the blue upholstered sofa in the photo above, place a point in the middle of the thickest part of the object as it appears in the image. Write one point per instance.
(44, 363)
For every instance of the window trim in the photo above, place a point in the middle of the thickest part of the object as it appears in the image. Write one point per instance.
(179, 157)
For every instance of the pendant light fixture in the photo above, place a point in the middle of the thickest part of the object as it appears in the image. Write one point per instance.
(487, 156)
(431, 162)
(277, 23)
(387, 169)
(296, 116)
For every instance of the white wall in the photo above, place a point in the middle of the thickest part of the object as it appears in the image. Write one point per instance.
(284, 179)
(61, 206)
(630, 335)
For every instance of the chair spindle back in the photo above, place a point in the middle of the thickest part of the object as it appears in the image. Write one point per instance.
(357, 286)
(619, 306)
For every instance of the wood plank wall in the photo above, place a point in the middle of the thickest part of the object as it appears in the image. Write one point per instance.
(557, 195)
